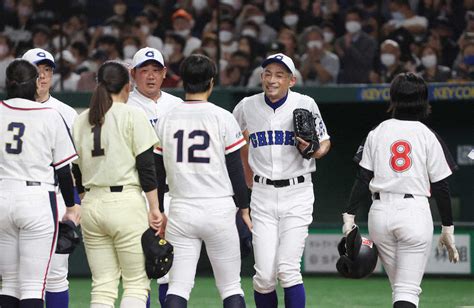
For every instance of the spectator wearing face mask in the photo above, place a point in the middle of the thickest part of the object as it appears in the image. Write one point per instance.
(79, 52)
(254, 13)
(145, 24)
(431, 71)
(6, 57)
(356, 50)
(464, 71)
(329, 34)
(289, 40)
(173, 52)
(226, 38)
(291, 19)
(319, 66)
(404, 16)
(390, 62)
(183, 23)
(64, 78)
(131, 44)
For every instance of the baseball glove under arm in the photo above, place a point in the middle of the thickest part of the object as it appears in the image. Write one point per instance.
(305, 128)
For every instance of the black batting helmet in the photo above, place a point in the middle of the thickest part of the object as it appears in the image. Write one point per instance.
(358, 255)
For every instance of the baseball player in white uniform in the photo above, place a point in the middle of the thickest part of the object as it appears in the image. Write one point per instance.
(282, 190)
(401, 163)
(57, 285)
(35, 144)
(148, 72)
(199, 143)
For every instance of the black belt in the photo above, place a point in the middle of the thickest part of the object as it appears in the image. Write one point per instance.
(112, 189)
(31, 183)
(278, 183)
(406, 196)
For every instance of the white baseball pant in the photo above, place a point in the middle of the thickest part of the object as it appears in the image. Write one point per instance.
(402, 229)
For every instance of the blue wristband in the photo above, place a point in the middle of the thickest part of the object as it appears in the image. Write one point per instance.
(77, 199)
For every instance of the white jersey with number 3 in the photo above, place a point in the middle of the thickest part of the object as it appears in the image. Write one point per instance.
(405, 156)
(194, 139)
(34, 140)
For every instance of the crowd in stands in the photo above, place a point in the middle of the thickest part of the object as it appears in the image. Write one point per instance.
(330, 41)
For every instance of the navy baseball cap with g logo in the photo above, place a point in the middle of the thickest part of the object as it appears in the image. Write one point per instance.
(146, 54)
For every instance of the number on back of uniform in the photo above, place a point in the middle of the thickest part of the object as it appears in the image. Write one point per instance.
(400, 159)
(97, 150)
(179, 135)
(16, 146)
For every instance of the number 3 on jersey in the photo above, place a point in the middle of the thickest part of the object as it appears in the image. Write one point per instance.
(20, 130)
(400, 160)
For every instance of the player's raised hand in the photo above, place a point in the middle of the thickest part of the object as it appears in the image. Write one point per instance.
(155, 219)
(73, 213)
(446, 239)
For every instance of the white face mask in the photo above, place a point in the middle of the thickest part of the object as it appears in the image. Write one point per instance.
(225, 36)
(328, 36)
(199, 4)
(129, 51)
(249, 32)
(167, 50)
(211, 51)
(145, 29)
(429, 61)
(314, 44)
(3, 50)
(353, 26)
(387, 59)
(183, 33)
(290, 20)
(258, 19)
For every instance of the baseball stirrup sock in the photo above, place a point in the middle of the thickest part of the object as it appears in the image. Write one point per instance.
(9, 301)
(148, 301)
(31, 303)
(234, 301)
(269, 300)
(175, 301)
(162, 290)
(295, 296)
(57, 299)
(403, 304)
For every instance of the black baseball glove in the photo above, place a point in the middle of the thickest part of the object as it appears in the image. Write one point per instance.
(68, 237)
(158, 254)
(305, 128)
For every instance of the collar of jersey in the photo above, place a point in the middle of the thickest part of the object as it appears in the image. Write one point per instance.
(146, 97)
(192, 101)
(278, 103)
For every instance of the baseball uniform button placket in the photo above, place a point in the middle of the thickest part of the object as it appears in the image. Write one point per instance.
(279, 183)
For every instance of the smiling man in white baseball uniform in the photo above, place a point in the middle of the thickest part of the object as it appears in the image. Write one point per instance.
(200, 145)
(401, 163)
(57, 285)
(148, 72)
(282, 189)
(35, 145)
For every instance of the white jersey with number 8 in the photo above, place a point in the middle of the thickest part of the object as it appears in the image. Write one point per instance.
(405, 156)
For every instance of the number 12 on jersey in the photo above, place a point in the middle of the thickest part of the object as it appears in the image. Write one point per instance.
(179, 135)
(400, 159)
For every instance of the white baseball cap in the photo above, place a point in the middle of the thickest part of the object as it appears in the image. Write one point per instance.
(37, 55)
(282, 59)
(147, 54)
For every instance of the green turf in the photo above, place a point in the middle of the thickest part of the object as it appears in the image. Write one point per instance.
(321, 292)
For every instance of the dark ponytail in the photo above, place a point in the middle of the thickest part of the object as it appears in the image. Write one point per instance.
(111, 79)
(21, 79)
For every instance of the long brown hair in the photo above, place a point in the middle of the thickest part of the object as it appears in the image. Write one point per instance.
(111, 79)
